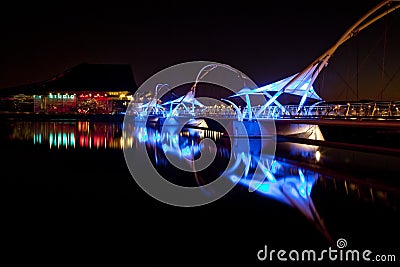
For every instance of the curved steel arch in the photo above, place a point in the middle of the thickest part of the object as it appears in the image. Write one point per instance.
(322, 61)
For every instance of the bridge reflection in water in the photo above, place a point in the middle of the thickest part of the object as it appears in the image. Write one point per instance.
(298, 175)
(287, 175)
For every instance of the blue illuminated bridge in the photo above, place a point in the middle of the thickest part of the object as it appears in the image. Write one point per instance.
(302, 119)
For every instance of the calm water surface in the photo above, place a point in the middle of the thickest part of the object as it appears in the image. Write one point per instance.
(306, 196)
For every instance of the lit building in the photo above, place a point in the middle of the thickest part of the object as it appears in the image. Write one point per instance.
(85, 88)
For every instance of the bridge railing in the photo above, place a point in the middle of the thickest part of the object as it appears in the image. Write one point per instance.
(371, 110)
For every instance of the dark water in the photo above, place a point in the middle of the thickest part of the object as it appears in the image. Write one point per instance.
(68, 195)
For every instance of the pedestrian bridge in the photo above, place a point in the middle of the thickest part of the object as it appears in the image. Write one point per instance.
(299, 85)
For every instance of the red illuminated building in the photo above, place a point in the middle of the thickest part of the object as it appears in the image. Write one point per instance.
(86, 88)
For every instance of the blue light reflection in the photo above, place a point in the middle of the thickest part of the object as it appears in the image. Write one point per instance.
(256, 170)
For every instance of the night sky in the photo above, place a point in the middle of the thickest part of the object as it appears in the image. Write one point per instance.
(266, 41)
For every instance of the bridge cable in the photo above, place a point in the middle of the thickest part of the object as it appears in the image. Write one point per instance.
(384, 73)
(384, 54)
(357, 67)
(360, 65)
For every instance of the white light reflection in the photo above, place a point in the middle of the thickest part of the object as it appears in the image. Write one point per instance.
(317, 155)
(262, 173)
